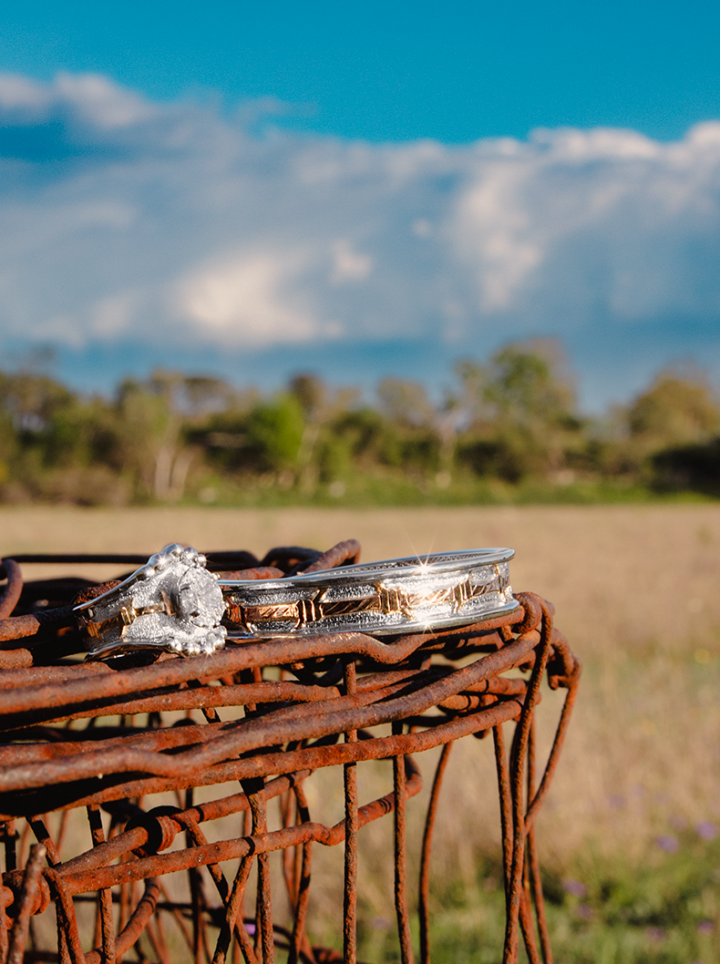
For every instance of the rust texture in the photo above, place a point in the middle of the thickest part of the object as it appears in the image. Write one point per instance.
(254, 722)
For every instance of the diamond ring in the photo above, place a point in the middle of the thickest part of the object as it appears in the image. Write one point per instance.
(174, 603)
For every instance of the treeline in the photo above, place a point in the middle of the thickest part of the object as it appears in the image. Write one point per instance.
(505, 428)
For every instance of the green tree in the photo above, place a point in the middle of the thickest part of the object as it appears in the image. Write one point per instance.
(152, 443)
(275, 431)
(521, 408)
(676, 410)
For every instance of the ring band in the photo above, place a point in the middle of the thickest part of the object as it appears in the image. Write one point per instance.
(175, 603)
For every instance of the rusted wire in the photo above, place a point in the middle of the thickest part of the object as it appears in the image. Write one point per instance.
(351, 836)
(424, 887)
(274, 712)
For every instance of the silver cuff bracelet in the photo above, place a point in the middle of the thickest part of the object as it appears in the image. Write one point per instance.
(174, 603)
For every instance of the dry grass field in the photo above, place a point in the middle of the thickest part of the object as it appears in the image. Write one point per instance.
(636, 593)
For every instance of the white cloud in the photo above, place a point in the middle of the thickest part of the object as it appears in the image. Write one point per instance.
(22, 93)
(125, 219)
(99, 101)
(112, 317)
(92, 98)
(349, 265)
(242, 302)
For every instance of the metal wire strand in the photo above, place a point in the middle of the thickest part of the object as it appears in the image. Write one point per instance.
(290, 706)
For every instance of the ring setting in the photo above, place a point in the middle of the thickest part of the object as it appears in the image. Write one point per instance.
(175, 603)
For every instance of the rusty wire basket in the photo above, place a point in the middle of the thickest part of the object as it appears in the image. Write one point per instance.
(108, 737)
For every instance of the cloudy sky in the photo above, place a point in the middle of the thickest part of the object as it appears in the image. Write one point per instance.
(359, 190)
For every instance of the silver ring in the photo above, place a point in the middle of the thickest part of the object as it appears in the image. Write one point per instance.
(174, 603)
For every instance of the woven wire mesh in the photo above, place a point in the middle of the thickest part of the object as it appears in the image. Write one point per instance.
(113, 738)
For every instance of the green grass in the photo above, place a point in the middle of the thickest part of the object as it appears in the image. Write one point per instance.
(665, 909)
(392, 490)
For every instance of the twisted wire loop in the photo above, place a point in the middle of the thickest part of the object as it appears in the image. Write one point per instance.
(291, 706)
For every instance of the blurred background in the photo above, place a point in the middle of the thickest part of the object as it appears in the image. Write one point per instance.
(430, 277)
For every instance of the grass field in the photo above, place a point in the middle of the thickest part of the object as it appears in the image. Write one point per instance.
(631, 821)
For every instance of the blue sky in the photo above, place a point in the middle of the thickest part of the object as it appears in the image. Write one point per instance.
(362, 189)
(382, 70)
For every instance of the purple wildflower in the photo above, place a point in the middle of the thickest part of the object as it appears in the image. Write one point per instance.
(584, 912)
(656, 934)
(668, 843)
(380, 924)
(705, 927)
(574, 887)
(706, 829)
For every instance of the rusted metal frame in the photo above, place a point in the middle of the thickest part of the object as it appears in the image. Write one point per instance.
(526, 926)
(286, 557)
(136, 924)
(61, 830)
(343, 552)
(37, 824)
(258, 572)
(200, 840)
(162, 940)
(505, 797)
(9, 839)
(79, 558)
(97, 926)
(13, 589)
(531, 861)
(195, 883)
(105, 895)
(351, 835)
(379, 748)
(125, 900)
(300, 943)
(524, 913)
(6, 898)
(197, 902)
(157, 942)
(67, 921)
(42, 835)
(285, 803)
(400, 853)
(424, 884)
(270, 729)
(313, 757)
(51, 697)
(558, 742)
(15, 659)
(536, 799)
(190, 735)
(11, 679)
(21, 627)
(516, 784)
(525, 917)
(173, 908)
(263, 915)
(25, 905)
(268, 652)
(180, 860)
(204, 698)
(287, 723)
(137, 837)
(234, 919)
(266, 692)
